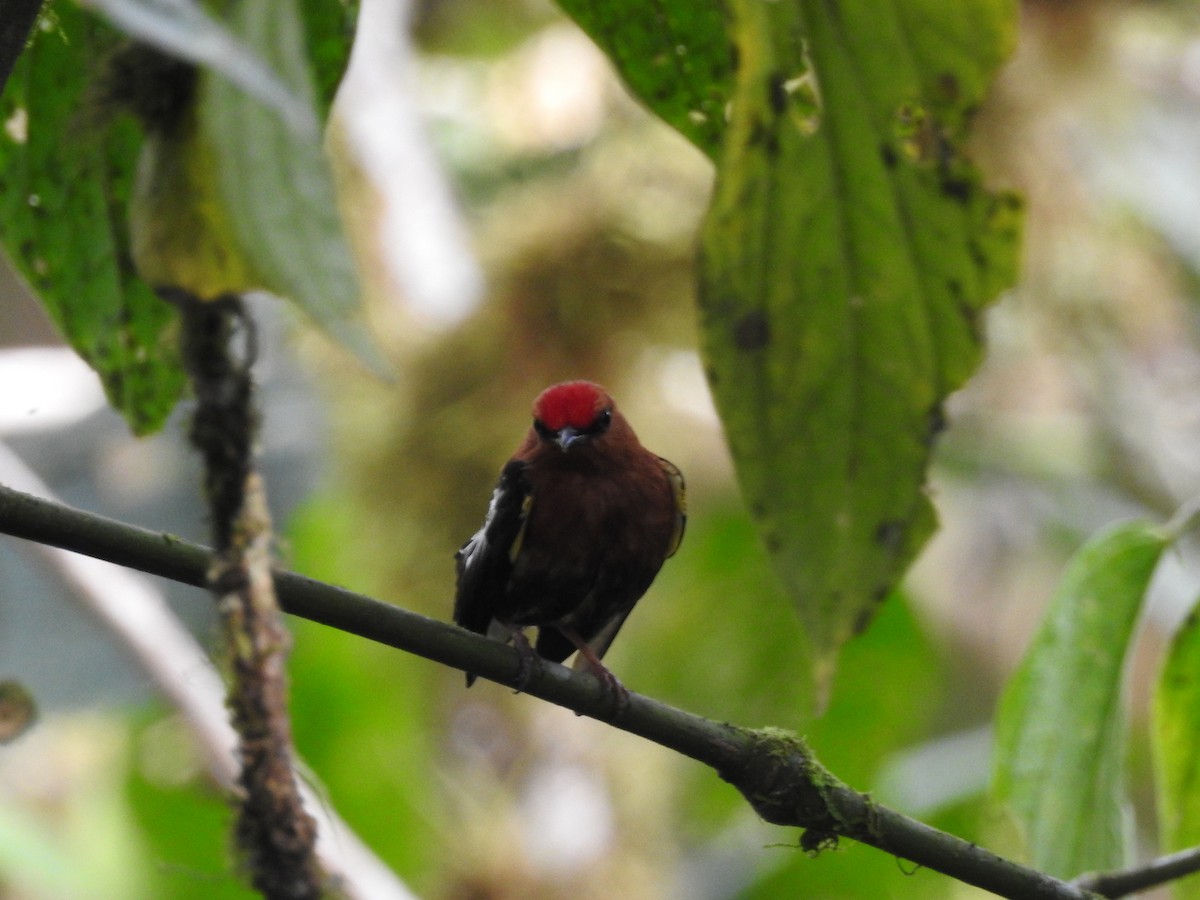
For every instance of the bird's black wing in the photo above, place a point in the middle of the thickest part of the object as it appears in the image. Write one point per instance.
(484, 563)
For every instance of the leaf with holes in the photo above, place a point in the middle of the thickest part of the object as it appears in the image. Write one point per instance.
(847, 257)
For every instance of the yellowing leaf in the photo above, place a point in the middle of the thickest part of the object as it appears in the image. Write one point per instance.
(182, 235)
(238, 196)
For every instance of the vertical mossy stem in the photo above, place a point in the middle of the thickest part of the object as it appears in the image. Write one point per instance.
(274, 833)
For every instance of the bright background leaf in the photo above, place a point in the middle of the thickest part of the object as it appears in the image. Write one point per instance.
(275, 182)
(1177, 746)
(1061, 726)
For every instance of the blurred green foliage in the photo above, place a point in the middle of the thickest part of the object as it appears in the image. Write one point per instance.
(1177, 762)
(587, 232)
(185, 861)
(1061, 724)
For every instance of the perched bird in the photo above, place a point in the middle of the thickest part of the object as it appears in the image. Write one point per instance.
(582, 519)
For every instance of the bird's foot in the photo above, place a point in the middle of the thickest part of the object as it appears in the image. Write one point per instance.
(530, 663)
(617, 693)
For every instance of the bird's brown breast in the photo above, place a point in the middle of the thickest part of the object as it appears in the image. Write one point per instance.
(594, 539)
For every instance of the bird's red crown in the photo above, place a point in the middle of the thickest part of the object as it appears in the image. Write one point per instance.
(572, 404)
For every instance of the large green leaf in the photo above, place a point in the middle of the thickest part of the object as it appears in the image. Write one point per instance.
(1061, 722)
(1177, 746)
(64, 189)
(847, 257)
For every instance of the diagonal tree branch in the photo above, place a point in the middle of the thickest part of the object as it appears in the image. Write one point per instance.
(774, 770)
(1124, 882)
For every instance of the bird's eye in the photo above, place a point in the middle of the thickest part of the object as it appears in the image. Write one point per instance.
(602, 422)
(543, 431)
